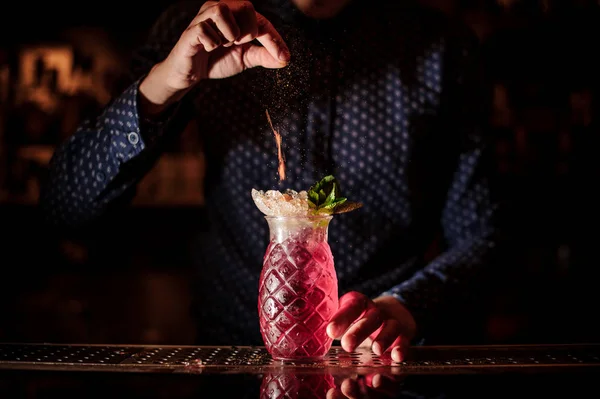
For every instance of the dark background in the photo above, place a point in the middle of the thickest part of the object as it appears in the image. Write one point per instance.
(539, 55)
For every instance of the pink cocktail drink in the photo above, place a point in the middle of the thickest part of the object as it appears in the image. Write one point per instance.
(298, 290)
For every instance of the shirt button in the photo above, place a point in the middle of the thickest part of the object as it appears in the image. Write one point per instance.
(100, 176)
(133, 138)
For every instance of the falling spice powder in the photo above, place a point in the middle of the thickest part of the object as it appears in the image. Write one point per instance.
(280, 157)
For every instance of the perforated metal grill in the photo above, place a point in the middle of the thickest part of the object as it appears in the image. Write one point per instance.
(64, 354)
(256, 359)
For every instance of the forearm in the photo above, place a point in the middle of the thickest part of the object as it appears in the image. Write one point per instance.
(453, 281)
(156, 97)
(101, 161)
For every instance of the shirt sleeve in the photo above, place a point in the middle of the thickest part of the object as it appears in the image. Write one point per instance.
(106, 156)
(457, 276)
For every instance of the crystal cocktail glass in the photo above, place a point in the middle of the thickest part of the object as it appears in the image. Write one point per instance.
(298, 289)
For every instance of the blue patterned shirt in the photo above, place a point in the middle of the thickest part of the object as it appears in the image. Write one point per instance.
(387, 98)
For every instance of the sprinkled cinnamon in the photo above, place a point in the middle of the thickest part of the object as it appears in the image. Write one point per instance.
(280, 157)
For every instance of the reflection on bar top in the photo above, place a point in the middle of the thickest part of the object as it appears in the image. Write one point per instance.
(251, 360)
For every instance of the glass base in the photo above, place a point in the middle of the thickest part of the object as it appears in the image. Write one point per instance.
(316, 359)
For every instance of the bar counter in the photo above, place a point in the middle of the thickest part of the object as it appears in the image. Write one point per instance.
(44, 370)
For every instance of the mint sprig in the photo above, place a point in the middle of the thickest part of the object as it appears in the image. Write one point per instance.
(325, 197)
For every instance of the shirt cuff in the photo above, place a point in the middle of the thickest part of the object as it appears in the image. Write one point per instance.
(130, 134)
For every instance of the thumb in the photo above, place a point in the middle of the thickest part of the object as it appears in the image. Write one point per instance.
(255, 55)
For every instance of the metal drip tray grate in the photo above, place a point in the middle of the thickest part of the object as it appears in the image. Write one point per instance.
(256, 359)
(64, 354)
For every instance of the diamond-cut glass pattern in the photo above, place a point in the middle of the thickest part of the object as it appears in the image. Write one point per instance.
(292, 386)
(298, 292)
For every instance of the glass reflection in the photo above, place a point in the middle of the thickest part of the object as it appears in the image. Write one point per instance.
(323, 385)
(292, 385)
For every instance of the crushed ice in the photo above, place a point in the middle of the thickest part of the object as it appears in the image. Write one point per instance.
(276, 203)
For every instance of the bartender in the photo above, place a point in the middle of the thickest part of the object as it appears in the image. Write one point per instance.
(384, 95)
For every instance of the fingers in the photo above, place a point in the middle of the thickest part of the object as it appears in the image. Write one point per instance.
(335, 393)
(352, 306)
(371, 386)
(390, 331)
(219, 17)
(350, 388)
(205, 35)
(362, 329)
(271, 40)
(385, 385)
(226, 24)
(359, 320)
(259, 56)
(400, 351)
(237, 22)
(245, 17)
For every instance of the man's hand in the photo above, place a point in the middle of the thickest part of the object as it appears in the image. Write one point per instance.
(216, 44)
(382, 324)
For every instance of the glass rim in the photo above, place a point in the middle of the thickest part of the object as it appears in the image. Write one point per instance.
(310, 217)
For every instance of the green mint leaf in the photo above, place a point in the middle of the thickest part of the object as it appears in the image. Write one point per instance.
(313, 198)
(321, 190)
(331, 206)
(325, 197)
(322, 197)
(331, 197)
